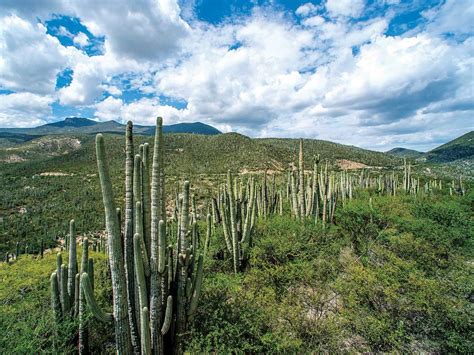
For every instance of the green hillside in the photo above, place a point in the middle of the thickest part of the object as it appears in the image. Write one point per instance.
(189, 153)
(459, 148)
(405, 153)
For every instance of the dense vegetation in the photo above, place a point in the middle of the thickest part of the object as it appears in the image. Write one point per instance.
(407, 286)
(388, 270)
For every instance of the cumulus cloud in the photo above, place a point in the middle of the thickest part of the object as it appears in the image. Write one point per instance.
(24, 109)
(350, 8)
(140, 29)
(30, 59)
(330, 72)
(143, 111)
(306, 9)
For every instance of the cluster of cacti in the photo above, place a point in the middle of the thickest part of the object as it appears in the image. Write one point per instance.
(237, 212)
(156, 287)
(459, 190)
(318, 196)
(67, 299)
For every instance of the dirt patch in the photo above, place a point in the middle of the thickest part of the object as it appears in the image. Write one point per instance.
(14, 158)
(350, 165)
(55, 173)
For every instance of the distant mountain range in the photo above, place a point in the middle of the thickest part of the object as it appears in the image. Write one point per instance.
(459, 148)
(18, 144)
(81, 125)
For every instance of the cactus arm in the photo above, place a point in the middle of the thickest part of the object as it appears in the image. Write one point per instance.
(139, 231)
(63, 288)
(59, 262)
(168, 315)
(139, 272)
(161, 247)
(208, 234)
(145, 331)
(76, 295)
(55, 298)
(196, 288)
(91, 302)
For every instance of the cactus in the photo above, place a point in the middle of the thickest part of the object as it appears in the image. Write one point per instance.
(72, 269)
(116, 258)
(83, 334)
(167, 283)
(174, 290)
(301, 196)
(128, 236)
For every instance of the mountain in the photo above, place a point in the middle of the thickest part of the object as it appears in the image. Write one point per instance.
(81, 125)
(196, 128)
(405, 153)
(459, 148)
(72, 122)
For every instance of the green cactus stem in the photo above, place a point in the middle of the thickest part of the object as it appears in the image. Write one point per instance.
(96, 311)
(72, 267)
(116, 260)
(55, 297)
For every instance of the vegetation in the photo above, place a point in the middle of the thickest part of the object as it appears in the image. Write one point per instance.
(459, 148)
(306, 260)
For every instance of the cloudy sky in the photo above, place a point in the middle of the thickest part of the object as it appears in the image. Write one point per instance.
(376, 74)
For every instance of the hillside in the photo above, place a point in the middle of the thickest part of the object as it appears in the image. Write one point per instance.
(405, 153)
(459, 148)
(80, 125)
(189, 153)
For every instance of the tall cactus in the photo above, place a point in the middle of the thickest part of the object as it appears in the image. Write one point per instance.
(301, 191)
(83, 333)
(116, 259)
(157, 283)
(72, 270)
(128, 236)
(174, 291)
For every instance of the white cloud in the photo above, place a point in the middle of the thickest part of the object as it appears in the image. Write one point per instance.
(143, 111)
(24, 109)
(454, 17)
(89, 75)
(140, 29)
(349, 8)
(81, 39)
(306, 9)
(331, 76)
(29, 58)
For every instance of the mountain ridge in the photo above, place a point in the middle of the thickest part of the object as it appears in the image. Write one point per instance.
(82, 125)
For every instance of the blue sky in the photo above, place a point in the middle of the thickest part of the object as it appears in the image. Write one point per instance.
(376, 74)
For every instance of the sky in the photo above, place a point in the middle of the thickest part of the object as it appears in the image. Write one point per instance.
(376, 74)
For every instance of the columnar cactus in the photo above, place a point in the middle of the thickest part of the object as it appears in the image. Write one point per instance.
(174, 290)
(301, 196)
(83, 334)
(72, 270)
(116, 258)
(128, 236)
